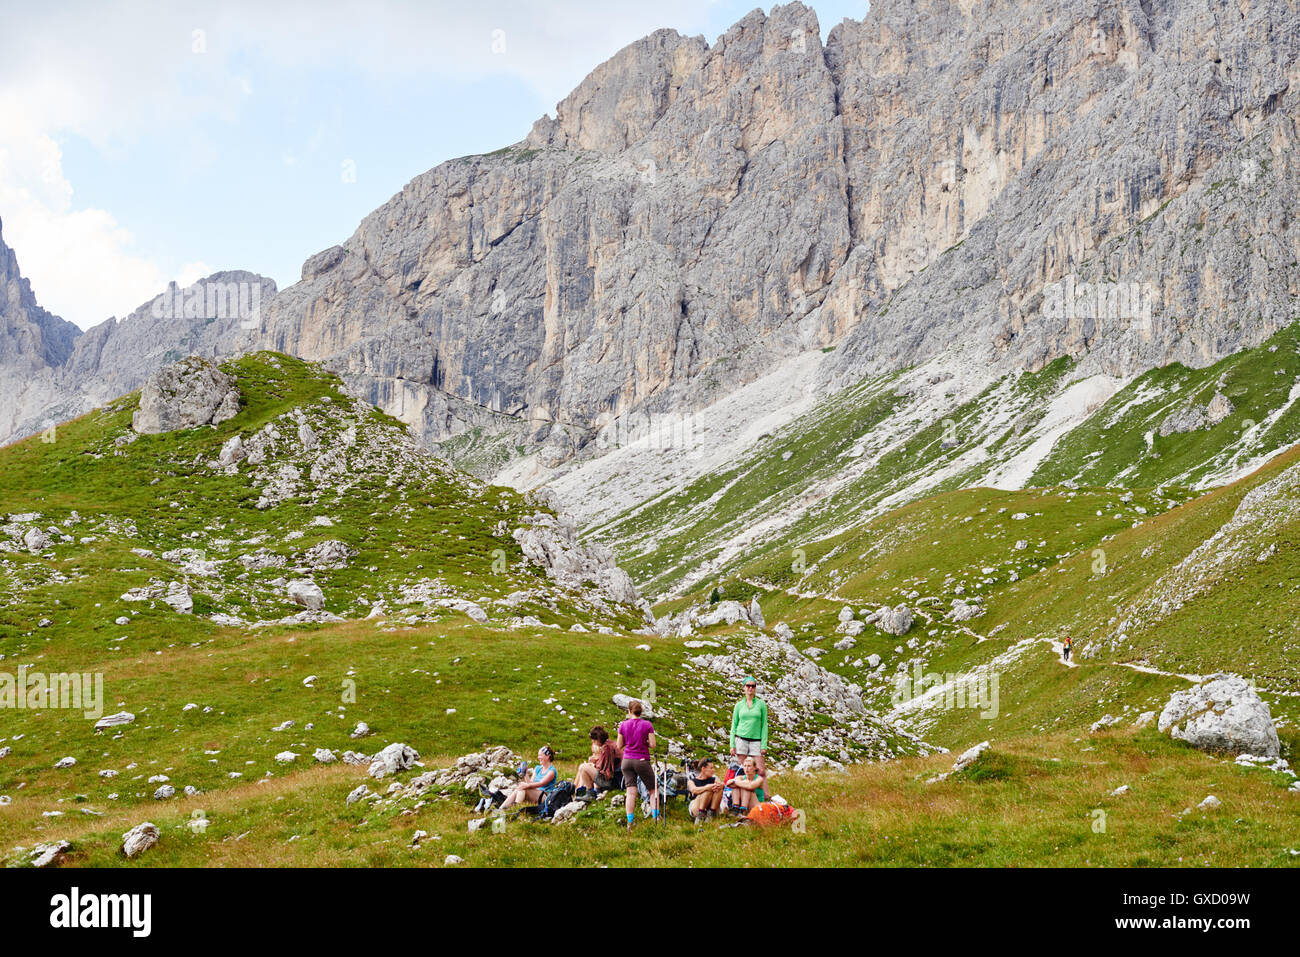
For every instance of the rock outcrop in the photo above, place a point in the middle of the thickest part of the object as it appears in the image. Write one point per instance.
(1195, 417)
(185, 395)
(552, 544)
(1222, 714)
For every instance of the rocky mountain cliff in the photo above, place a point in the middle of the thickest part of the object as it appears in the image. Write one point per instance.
(31, 342)
(915, 186)
(933, 179)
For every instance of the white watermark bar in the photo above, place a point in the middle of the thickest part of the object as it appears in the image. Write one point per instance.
(37, 691)
(212, 300)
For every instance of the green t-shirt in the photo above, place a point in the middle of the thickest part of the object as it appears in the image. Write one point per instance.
(749, 721)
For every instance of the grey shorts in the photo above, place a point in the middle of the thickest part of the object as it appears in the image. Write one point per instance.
(635, 769)
(748, 746)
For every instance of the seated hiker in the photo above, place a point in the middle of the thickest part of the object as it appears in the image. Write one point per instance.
(598, 773)
(545, 778)
(705, 790)
(747, 786)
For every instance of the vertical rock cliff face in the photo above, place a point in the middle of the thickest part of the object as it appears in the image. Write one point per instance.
(693, 213)
(925, 182)
(1147, 143)
(652, 245)
(32, 341)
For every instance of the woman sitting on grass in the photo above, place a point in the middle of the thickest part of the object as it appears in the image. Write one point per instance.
(545, 777)
(598, 773)
(705, 790)
(747, 786)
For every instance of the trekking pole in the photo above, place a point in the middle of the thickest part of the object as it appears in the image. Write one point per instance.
(659, 788)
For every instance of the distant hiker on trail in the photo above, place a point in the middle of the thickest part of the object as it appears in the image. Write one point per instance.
(636, 739)
(705, 790)
(598, 773)
(545, 778)
(747, 786)
(1065, 648)
(749, 727)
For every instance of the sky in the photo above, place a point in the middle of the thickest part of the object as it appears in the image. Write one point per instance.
(147, 142)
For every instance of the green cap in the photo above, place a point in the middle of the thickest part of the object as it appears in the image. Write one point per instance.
(749, 679)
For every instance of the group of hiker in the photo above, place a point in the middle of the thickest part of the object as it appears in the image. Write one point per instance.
(626, 762)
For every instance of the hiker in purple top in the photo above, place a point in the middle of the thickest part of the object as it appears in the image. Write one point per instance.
(636, 739)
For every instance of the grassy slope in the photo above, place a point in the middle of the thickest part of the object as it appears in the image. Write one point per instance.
(665, 542)
(1111, 449)
(447, 687)
(1042, 801)
(1090, 554)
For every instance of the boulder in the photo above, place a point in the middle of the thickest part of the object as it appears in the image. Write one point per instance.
(114, 720)
(895, 621)
(305, 592)
(232, 452)
(817, 762)
(185, 395)
(723, 613)
(329, 554)
(179, 598)
(622, 701)
(392, 759)
(36, 540)
(139, 839)
(1223, 713)
(970, 756)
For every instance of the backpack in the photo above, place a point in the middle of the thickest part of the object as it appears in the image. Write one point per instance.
(770, 812)
(555, 799)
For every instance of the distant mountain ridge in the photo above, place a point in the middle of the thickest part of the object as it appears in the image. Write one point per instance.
(52, 371)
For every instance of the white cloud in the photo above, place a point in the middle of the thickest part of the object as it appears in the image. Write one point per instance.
(79, 261)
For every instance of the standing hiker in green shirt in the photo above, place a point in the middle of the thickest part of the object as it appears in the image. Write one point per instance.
(749, 727)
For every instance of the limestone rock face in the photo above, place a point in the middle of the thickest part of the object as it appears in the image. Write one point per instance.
(1222, 714)
(694, 213)
(185, 395)
(966, 124)
(683, 209)
(32, 342)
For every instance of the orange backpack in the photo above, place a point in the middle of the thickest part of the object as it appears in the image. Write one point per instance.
(769, 812)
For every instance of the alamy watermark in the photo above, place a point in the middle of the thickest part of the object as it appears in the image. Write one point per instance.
(212, 300)
(949, 691)
(672, 430)
(1072, 299)
(36, 690)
